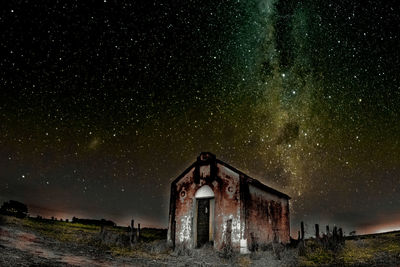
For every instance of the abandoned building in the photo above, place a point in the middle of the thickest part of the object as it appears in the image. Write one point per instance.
(212, 202)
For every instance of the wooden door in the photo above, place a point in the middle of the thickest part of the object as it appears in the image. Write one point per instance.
(203, 221)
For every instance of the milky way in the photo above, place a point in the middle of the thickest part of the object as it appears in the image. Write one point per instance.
(104, 103)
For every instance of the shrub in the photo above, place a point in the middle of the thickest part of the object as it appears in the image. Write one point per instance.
(182, 250)
(14, 208)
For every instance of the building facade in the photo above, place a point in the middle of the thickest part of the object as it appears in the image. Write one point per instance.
(212, 202)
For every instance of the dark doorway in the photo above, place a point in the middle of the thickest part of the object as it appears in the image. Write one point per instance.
(203, 221)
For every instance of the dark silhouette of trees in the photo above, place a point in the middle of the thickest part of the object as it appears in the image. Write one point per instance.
(93, 221)
(14, 208)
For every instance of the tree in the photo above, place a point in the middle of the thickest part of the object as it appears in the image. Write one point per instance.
(14, 208)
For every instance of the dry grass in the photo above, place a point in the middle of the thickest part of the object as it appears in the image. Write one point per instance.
(377, 249)
(244, 261)
(63, 231)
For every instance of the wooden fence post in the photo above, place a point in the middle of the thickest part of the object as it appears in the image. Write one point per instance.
(138, 232)
(132, 236)
(316, 231)
(334, 234)
(340, 232)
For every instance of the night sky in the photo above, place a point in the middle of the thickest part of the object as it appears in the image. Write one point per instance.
(104, 103)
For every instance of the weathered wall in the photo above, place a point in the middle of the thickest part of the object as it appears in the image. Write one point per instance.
(227, 208)
(267, 218)
(184, 209)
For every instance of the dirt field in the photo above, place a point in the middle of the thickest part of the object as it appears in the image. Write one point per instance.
(21, 247)
(29, 242)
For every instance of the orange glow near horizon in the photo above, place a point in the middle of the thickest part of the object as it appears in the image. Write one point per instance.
(380, 228)
(120, 221)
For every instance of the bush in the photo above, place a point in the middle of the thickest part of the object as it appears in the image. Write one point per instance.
(226, 252)
(157, 247)
(111, 238)
(14, 208)
(274, 254)
(182, 250)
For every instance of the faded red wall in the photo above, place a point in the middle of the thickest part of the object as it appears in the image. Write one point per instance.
(267, 218)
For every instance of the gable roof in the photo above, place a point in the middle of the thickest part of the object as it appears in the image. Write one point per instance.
(249, 180)
(254, 182)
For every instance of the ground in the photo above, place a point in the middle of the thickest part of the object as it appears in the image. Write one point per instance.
(31, 242)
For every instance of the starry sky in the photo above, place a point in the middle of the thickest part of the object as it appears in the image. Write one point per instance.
(103, 103)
